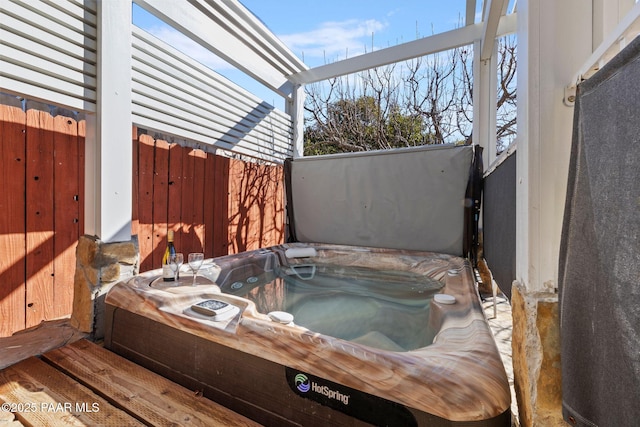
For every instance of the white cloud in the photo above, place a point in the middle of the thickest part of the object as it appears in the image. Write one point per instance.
(333, 40)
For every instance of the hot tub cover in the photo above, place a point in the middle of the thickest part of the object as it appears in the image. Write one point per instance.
(410, 198)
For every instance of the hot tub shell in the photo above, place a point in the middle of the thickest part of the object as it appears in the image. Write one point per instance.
(253, 365)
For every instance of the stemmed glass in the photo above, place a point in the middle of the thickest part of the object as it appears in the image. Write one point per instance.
(175, 262)
(195, 262)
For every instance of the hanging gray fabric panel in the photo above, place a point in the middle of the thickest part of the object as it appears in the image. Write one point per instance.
(599, 270)
(499, 223)
(400, 199)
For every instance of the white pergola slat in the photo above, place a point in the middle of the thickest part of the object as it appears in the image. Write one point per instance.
(55, 56)
(241, 40)
(470, 14)
(493, 11)
(48, 52)
(176, 95)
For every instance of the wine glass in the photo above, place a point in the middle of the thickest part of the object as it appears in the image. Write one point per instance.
(175, 262)
(195, 262)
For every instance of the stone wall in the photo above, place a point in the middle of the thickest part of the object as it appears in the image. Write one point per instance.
(99, 266)
(536, 357)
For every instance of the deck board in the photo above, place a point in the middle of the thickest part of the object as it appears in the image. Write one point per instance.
(84, 384)
(40, 395)
(140, 392)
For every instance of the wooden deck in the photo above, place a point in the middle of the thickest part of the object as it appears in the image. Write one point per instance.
(83, 384)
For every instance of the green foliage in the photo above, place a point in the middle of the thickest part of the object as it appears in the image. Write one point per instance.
(361, 125)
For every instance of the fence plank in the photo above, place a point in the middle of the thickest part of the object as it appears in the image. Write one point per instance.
(198, 228)
(12, 220)
(39, 217)
(67, 212)
(160, 200)
(135, 184)
(209, 204)
(186, 201)
(174, 205)
(82, 128)
(221, 212)
(145, 202)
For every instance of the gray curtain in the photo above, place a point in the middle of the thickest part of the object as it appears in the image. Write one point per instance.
(499, 223)
(599, 270)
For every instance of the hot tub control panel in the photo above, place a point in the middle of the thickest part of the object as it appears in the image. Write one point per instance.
(213, 309)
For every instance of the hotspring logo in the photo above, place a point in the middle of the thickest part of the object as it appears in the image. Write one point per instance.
(304, 385)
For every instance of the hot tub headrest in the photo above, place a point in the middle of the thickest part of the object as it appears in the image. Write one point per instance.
(300, 253)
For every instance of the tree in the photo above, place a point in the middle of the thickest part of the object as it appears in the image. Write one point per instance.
(426, 100)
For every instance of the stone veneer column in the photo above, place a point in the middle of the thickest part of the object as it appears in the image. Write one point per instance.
(536, 357)
(99, 266)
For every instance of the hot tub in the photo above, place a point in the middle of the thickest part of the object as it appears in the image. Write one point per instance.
(321, 335)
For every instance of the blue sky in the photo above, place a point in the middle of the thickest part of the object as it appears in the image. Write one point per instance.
(326, 31)
(320, 31)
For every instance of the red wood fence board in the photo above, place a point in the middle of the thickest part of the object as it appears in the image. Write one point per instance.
(145, 202)
(221, 195)
(209, 204)
(174, 204)
(186, 200)
(39, 217)
(198, 228)
(66, 212)
(12, 220)
(82, 126)
(135, 183)
(160, 200)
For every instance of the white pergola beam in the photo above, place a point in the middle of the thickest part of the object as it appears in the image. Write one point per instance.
(493, 10)
(421, 47)
(232, 33)
(470, 13)
(279, 52)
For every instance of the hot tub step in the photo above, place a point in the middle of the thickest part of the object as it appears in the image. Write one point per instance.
(149, 397)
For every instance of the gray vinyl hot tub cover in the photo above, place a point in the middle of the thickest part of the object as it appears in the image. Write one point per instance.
(410, 198)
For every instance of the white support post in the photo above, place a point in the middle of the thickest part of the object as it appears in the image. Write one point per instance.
(484, 103)
(550, 50)
(108, 164)
(475, 132)
(296, 109)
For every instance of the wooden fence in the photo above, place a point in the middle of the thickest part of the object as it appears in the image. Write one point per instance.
(215, 204)
(41, 162)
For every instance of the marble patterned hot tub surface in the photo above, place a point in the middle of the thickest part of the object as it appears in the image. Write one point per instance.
(460, 377)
